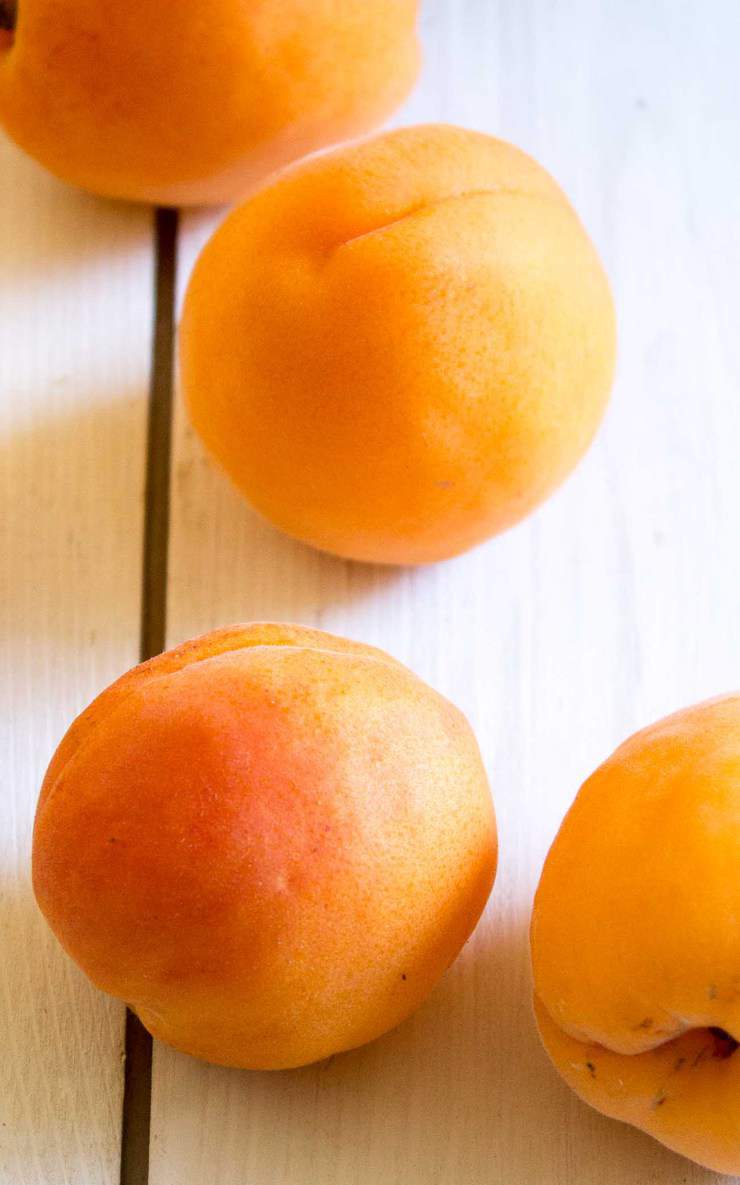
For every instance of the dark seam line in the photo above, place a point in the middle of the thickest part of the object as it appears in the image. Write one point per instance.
(159, 442)
(137, 1078)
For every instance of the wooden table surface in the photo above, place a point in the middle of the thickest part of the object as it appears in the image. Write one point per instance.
(617, 602)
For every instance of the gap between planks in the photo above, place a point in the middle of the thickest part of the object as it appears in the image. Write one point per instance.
(137, 1083)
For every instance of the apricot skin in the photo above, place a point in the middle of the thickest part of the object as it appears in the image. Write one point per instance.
(636, 936)
(184, 103)
(270, 842)
(401, 348)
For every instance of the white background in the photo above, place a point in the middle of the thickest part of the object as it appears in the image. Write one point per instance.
(616, 603)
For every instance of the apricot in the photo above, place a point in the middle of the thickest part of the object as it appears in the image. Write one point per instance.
(400, 348)
(270, 842)
(186, 103)
(636, 936)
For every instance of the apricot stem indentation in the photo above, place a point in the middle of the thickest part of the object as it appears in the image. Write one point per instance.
(726, 1044)
(8, 15)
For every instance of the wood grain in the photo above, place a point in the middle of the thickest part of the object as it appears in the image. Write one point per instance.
(75, 322)
(613, 605)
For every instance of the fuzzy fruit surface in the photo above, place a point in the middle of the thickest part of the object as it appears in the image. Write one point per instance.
(184, 103)
(271, 842)
(400, 348)
(636, 936)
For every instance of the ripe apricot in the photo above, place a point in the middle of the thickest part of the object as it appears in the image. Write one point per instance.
(400, 348)
(636, 936)
(185, 102)
(270, 841)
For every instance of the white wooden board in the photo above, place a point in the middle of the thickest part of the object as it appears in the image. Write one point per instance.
(75, 318)
(615, 604)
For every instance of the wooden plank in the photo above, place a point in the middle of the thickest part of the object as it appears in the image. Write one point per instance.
(614, 604)
(75, 324)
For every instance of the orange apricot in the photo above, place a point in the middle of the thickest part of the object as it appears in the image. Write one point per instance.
(186, 103)
(400, 348)
(270, 842)
(636, 936)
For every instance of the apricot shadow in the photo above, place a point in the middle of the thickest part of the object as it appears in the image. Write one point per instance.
(57, 229)
(462, 1092)
(268, 576)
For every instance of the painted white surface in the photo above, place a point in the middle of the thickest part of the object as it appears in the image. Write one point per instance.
(75, 317)
(615, 604)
